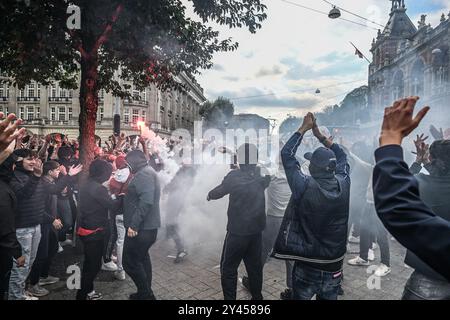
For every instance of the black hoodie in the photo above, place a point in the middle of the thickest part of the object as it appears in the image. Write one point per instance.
(9, 245)
(247, 207)
(95, 202)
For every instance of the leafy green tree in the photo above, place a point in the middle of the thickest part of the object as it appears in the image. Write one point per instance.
(150, 41)
(290, 125)
(217, 114)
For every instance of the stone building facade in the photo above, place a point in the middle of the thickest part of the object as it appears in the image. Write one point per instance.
(410, 60)
(53, 109)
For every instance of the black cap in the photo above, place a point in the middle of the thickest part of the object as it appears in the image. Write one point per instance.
(321, 157)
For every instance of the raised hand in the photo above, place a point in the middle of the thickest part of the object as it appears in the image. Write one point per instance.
(422, 149)
(38, 168)
(74, 170)
(399, 122)
(308, 123)
(9, 131)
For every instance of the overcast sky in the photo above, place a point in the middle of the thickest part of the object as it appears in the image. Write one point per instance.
(299, 50)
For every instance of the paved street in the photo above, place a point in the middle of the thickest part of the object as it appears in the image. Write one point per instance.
(198, 277)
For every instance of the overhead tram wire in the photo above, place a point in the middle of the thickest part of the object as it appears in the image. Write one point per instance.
(325, 13)
(294, 91)
(354, 14)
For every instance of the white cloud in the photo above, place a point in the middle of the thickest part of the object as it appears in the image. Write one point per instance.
(300, 50)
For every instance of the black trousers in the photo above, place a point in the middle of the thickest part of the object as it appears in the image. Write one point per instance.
(48, 247)
(235, 249)
(6, 262)
(93, 252)
(136, 260)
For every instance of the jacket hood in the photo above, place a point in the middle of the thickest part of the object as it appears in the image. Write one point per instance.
(136, 160)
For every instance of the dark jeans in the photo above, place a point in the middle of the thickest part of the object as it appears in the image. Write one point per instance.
(136, 260)
(66, 216)
(421, 287)
(6, 262)
(173, 232)
(110, 240)
(235, 249)
(309, 282)
(93, 252)
(371, 227)
(48, 247)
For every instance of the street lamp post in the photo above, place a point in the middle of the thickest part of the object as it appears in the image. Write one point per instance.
(116, 121)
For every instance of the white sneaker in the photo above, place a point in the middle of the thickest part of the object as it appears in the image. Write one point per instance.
(353, 239)
(94, 296)
(67, 242)
(358, 261)
(29, 296)
(119, 275)
(38, 291)
(60, 248)
(382, 270)
(371, 255)
(110, 266)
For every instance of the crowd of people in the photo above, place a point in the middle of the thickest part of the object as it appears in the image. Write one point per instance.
(306, 212)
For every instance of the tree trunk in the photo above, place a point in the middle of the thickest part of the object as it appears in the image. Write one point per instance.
(88, 107)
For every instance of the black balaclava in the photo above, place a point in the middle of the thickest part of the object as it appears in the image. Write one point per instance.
(247, 157)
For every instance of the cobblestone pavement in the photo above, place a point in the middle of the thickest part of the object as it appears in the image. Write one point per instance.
(198, 276)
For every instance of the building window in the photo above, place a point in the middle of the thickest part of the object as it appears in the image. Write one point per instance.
(53, 113)
(62, 114)
(22, 93)
(101, 94)
(70, 113)
(136, 94)
(101, 113)
(4, 110)
(53, 91)
(63, 93)
(135, 117)
(70, 94)
(38, 112)
(144, 115)
(2, 91)
(30, 113)
(22, 113)
(31, 90)
(126, 115)
(38, 90)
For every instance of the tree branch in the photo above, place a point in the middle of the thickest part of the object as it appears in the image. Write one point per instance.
(104, 37)
(78, 44)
